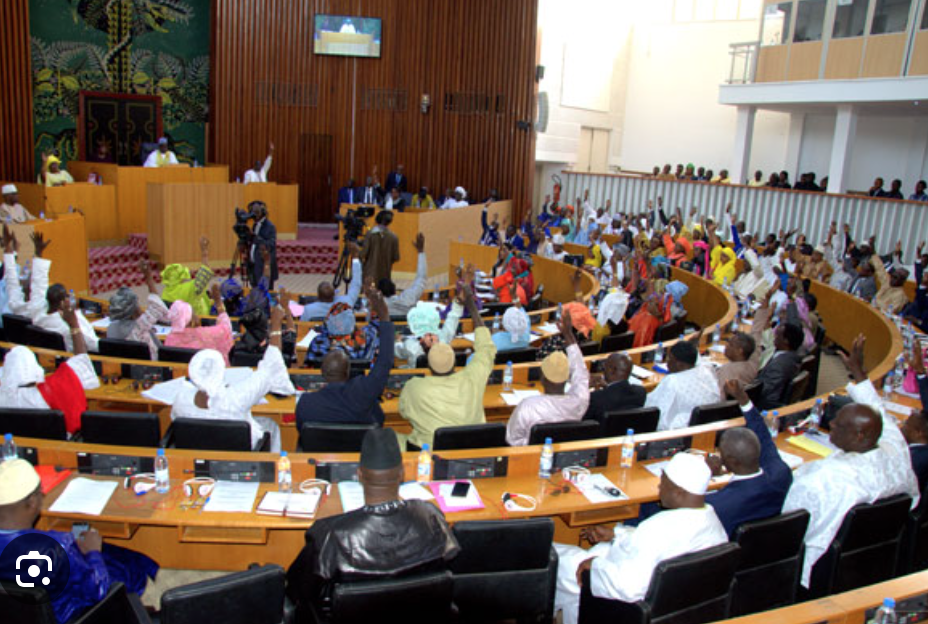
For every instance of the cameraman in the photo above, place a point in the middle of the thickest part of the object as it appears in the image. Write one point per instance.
(264, 236)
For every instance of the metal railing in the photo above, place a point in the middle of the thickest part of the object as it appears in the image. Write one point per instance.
(743, 62)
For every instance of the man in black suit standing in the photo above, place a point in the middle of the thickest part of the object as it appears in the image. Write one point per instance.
(396, 180)
(618, 393)
(265, 237)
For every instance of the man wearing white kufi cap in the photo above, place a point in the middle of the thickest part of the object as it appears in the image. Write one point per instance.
(623, 559)
(554, 248)
(93, 567)
(11, 211)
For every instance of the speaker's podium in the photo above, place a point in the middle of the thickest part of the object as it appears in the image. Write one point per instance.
(179, 214)
(67, 251)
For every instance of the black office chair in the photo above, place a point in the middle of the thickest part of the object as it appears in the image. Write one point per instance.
(179, 355)
(332, 438)
(705, 414)
(796, 389)
(617, 423)
(33, 423)
(564, 431)
(126, 349)
(622, 342)
(517, 356)
(771, 563)
(43, 338)
(245, 358)
(460, 359)
(915, 539)
(25, 605)
(688, 588)
(14, 326)
(214, 435)
(121, 428)
(493, 308)
(420, 599)
(506, 570)
(254, 596)
(865, 549)
(490, 435)
(118, 606)
(668, 331)
(809, 364)
(755, 391)
(589, 348)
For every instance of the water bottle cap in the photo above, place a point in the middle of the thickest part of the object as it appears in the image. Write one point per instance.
(630, 432)
(776, 413)
(889, 602)
(509, 363)
(660, 344)
(425, 446)
(160, 452)
(818, 401)
(8, 437)
(283, 453)
(548, 441)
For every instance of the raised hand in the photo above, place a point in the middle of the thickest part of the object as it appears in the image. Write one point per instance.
(566, 328)
(377, 303)
(39, 243)
(855, 359)
(419, 243)
(734, 389)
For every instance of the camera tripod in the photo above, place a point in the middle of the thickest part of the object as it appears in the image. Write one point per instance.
(343, 271)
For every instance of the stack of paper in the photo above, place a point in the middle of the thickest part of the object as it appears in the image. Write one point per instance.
(84, 496)
(598, 489)
(897, 408)
(295, 505)
(517, 396)
(232, 497)
(814, 442)
(548, 328)
(352, 495)
(415, 491)
(793, 461)
(308, 338)
(641, 373)
(447, 503)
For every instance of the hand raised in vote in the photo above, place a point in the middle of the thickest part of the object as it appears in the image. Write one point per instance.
(735, 390)
(69, 314)
(419, 243)
(855, 359)
(39, 243)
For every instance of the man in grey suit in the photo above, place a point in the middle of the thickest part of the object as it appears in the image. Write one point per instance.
(782, 367)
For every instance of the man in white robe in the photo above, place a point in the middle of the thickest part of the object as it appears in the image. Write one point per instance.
(622, 561)
(873, 463)
(687, 386)
(259, 173)
(162, 156)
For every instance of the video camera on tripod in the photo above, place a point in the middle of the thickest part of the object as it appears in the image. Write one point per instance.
(241, 227)
(353, 222)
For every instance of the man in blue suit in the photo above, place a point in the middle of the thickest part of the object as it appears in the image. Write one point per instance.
(761, 478)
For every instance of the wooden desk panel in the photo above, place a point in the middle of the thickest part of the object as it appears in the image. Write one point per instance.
(181, 213)
(67, 251)
(97, 202)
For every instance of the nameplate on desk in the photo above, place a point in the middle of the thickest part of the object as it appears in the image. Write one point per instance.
(471, 468)
(103, 465)
(141, 372)
(662, 448)
(335, 472)
(588, 458)
(242, 471)
(308, 383)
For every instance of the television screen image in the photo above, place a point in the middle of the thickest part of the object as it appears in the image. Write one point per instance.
(347, 35)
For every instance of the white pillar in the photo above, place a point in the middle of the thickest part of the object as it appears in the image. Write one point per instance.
(797, 125)
(744, 136)
(841, 148)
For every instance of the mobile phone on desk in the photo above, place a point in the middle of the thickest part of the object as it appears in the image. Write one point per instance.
(79, 528)
(460, 489)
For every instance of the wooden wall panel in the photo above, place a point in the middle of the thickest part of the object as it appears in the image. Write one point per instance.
(16, 162)
(429, 47)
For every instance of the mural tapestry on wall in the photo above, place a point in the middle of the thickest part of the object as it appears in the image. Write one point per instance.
(144, 47)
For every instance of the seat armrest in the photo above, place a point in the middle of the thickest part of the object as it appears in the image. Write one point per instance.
(264, 444)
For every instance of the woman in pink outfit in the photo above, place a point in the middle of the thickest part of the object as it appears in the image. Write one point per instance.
(186, 331)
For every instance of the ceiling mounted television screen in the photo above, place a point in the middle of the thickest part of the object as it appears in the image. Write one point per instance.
(347, 35)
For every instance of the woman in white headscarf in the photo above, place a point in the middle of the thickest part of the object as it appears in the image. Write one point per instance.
(128, 322)
(23, 383)
(516, 332)
(209, 397)
(427, 329)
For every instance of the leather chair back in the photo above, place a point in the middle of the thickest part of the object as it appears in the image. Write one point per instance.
(642, 420)
(771, 563)
(14, 328)
(506, 570)
(25, 606)
(329, 438)
(705, 414)
(622, 342)
(179, 355)
(865, 550)
(516, 356)
(43, 338)
(490, 435)
(126, 349)
(211, 435)
(689, 588)
(245, 358)
(796, 390)
(33, 423)
(118, 606)
(425, 599)
(564, 431)
(915, 540)
(255, 596)
(121, 428)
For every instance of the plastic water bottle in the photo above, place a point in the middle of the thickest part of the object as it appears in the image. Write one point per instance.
(9, 448)
(424, 470)
(818, 410)
(717, 334)
(547, 459)
(436, 296)
(363, 303)
(284, 476)
(162, 476)
(496, 323)
(773, 427)
(887, 613)
(659, 353)
(888, 384)
(560, 310)
(72, 298)
(507, 378)
(628, 449)
(899, 372)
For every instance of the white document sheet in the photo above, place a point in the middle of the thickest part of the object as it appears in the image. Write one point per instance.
(415, 491)
(232, 497)
(84, 496)
(308, 338)
(352, 495)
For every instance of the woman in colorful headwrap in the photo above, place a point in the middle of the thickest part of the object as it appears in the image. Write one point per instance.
(186, 331)
(128, 322)
(679, 250)
(655, 310)
(208, 397)
(339, 330)
(702, 264)
(427, 329)
(517, 330)
(677, 290)
(724, 269)
(23, 383)
(178, 286)
(516, 270)
(52, 174)
(583, 323)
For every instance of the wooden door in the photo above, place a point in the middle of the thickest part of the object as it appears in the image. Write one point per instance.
(317, 201)
(114, 126)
